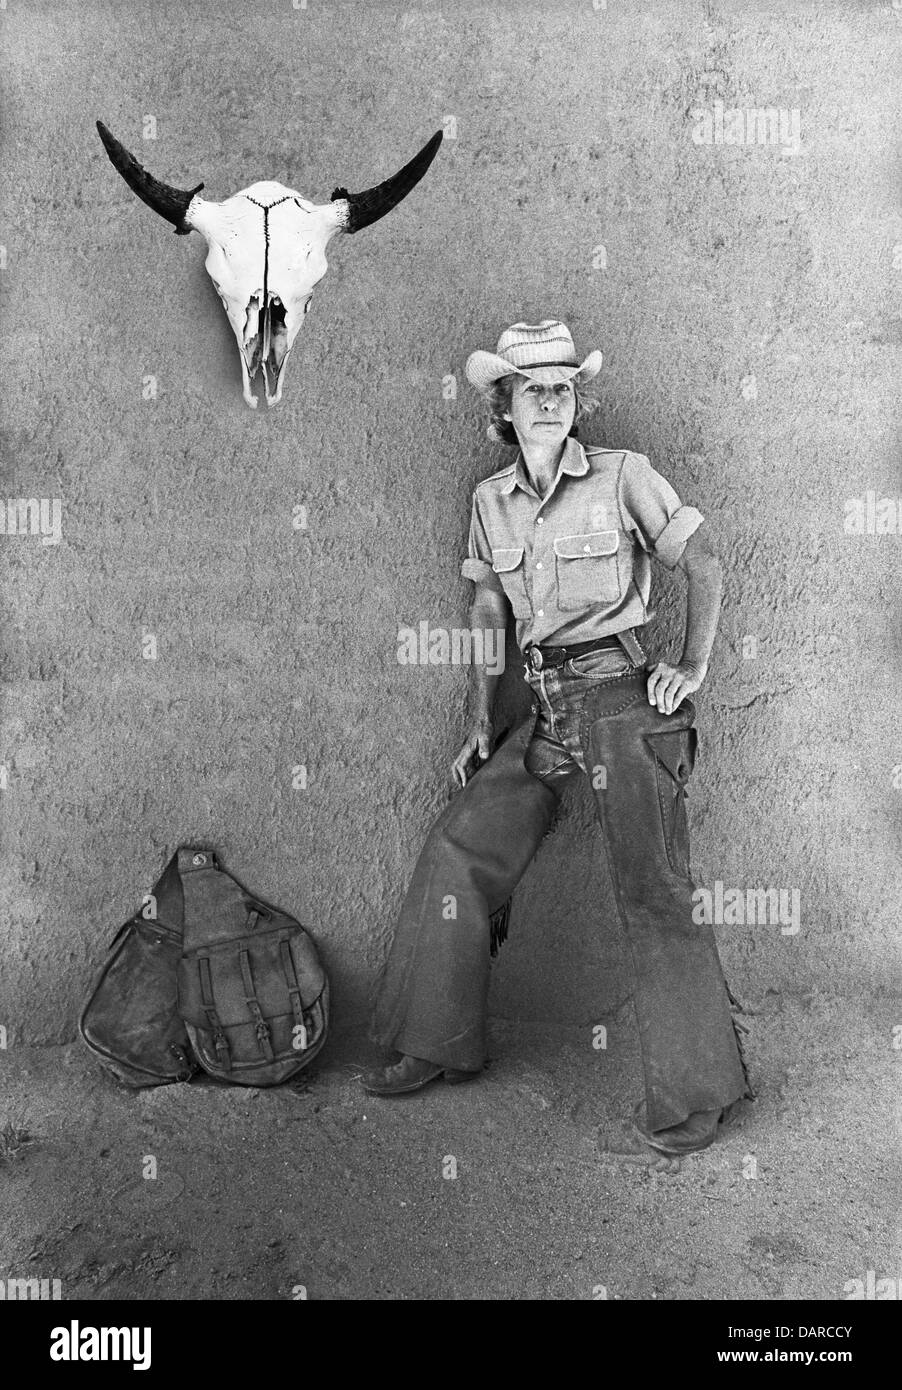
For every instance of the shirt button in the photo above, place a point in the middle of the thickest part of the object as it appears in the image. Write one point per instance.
(540, 612)
(586, 549)
(538, 564)
(540, 521)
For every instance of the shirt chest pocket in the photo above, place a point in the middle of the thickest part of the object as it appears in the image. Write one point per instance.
(587, 569)
(509, 567)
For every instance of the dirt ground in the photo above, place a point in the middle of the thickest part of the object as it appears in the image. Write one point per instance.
(317, 1190)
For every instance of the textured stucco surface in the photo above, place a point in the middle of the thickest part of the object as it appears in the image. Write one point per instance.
(277, 646)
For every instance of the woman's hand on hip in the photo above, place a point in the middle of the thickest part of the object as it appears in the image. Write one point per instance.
(669, 685)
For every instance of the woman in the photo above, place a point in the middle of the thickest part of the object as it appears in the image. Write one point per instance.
(563, 539)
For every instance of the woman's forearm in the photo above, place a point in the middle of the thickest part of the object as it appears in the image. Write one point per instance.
(489, 622)
(703, 601)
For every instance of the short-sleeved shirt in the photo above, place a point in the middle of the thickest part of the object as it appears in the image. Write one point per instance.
(575, 564)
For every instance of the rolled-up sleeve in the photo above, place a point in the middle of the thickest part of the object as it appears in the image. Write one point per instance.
(654, 512)
(478, 564)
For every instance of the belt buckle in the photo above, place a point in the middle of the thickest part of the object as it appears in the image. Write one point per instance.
(535, 658)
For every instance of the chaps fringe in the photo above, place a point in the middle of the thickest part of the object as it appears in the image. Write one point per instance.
(499, 921)
(738, 1030)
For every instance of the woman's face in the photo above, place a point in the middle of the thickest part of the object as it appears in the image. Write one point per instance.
(541, 413)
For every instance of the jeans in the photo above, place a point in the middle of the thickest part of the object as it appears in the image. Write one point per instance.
(591, 715)
(555, 752)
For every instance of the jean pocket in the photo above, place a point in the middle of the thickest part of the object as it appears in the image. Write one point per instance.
(600, 665)
(509, 567)
(675, 752)
(586, 569)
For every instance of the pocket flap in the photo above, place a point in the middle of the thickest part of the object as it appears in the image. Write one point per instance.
(505, 560)
(587, 545)
(676, 749)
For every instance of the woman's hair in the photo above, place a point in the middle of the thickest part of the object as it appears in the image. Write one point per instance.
(499, 397)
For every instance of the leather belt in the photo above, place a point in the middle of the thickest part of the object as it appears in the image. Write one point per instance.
(540, 658)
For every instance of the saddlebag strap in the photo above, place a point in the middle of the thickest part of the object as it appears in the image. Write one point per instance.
(254, 912)
(294, 993)
(220, 1041)
(250, 998)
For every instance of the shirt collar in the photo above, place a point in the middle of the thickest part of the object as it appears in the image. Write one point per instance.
(573, 461)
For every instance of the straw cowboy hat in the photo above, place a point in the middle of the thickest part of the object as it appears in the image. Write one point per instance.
(542, 351)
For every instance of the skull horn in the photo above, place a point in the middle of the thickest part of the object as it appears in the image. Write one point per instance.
(171, 203)
(369, 206)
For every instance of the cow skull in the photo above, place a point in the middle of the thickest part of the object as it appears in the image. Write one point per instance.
(267, 249)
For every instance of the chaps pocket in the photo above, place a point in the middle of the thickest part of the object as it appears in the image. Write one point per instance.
(675, 753)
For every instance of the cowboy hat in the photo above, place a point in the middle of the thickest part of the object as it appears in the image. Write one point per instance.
(542, 351)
